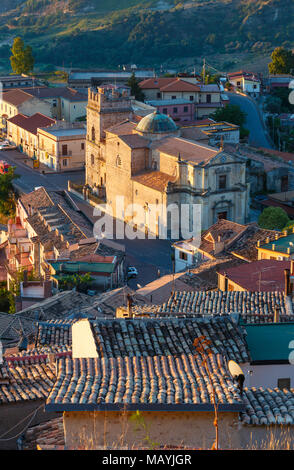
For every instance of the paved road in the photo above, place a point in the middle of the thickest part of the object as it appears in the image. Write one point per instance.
(258, 136)
(29, 178)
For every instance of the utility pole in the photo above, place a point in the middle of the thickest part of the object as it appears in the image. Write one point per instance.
(204, 65)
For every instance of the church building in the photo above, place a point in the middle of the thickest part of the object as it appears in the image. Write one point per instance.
(148, 163)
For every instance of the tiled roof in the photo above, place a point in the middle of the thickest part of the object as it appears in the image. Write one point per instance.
(266, 407)
(189, 151)
(226, 230)
(222, 303)
(123, 128)
(156, 83)
(54, 332)
(134, 141)
(266, 275)
(50, 433)
(31, 123)
(26, 378)
(154, 179)
(16, 97)
(179, 86)
(58, 92)
(168, 336)
(245, 246)
(13, 326)
(36, 199)
(138, 381)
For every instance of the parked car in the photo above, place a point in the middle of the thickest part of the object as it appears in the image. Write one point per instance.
(132, 272)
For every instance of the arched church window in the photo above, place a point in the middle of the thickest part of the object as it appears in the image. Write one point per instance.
(93, 134)
(118, 161)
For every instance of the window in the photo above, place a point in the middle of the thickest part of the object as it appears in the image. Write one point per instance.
(164, 110)
(284, 383)
(185, 109)
(93, 134)
(175, 110)
(118, 161)
(208, 98)
(174, 97)
(64, 162)
(82, 146)
(191, 98)
(158, 95)
(92, 159)
(222, 182)
(183, 256)
(64, 150)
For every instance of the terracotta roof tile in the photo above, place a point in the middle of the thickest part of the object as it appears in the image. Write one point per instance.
(31, 123)
(154, 179)
(267, 407)
(135, 381)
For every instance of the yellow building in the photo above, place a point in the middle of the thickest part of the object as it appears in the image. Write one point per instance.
(149, 163)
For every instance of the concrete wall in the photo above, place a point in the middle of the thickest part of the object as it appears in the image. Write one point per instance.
(92, 429)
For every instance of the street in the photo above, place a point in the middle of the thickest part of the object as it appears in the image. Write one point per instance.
(258, 136)
(148, 256)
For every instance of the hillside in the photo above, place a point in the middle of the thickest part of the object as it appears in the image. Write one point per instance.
(87, 33)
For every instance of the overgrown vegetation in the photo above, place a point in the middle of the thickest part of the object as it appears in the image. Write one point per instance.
(85, 33)
(232, 113)
(7, 198)
(273, 218)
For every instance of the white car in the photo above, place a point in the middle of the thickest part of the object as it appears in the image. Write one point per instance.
(4, 146)
(132, 271)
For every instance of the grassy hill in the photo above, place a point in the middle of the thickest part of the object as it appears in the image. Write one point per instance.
(106, 33)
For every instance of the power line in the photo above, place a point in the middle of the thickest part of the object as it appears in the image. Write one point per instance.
(14, 437)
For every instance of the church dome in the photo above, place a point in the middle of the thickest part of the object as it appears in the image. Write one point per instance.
(156, 123)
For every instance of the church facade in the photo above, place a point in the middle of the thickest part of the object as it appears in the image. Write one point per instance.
(147, 163)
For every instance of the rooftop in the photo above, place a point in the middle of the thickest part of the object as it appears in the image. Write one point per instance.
(154, 179)
(31, 123)
(189, 151)
(137, 382)
(266, 275)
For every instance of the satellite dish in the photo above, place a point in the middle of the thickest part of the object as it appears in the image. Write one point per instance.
(237, 374)
(234, 369)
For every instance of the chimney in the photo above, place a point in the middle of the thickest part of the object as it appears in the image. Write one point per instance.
(273, 247)
(287, 281)
(277, 315)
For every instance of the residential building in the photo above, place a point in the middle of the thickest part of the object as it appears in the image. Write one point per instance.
(81, 80)
(150, 163)
(264, 275)
(49, 228)
(18, 101)
(62, 147)
(223, 239)
(16, 81)
(247, 82)
(164, 410)
(279, 81)
(22, 131)
(204, 99)
(66, 103)
(178, 109)
(281, 248)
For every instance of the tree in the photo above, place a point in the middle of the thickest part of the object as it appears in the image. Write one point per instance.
(273, 218)
(136, 91)
(273, 104)
(7, 201)
(22, 60)
(233, 114)
(282, 61)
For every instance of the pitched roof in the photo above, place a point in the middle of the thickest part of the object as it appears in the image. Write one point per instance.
(179, 85)
(16, 97)
(134, 141)
(31, 123)
(266, 407)
(189, 151)
(266, 274)
(158, 382)
(45, 435)
(255, 304)
(245, 246)
(26, 378)
(156, 83)
(154, 179)
(224, 231)
(58, 92)
(167, 336)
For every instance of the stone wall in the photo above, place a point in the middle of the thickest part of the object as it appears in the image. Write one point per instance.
(92, 429)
